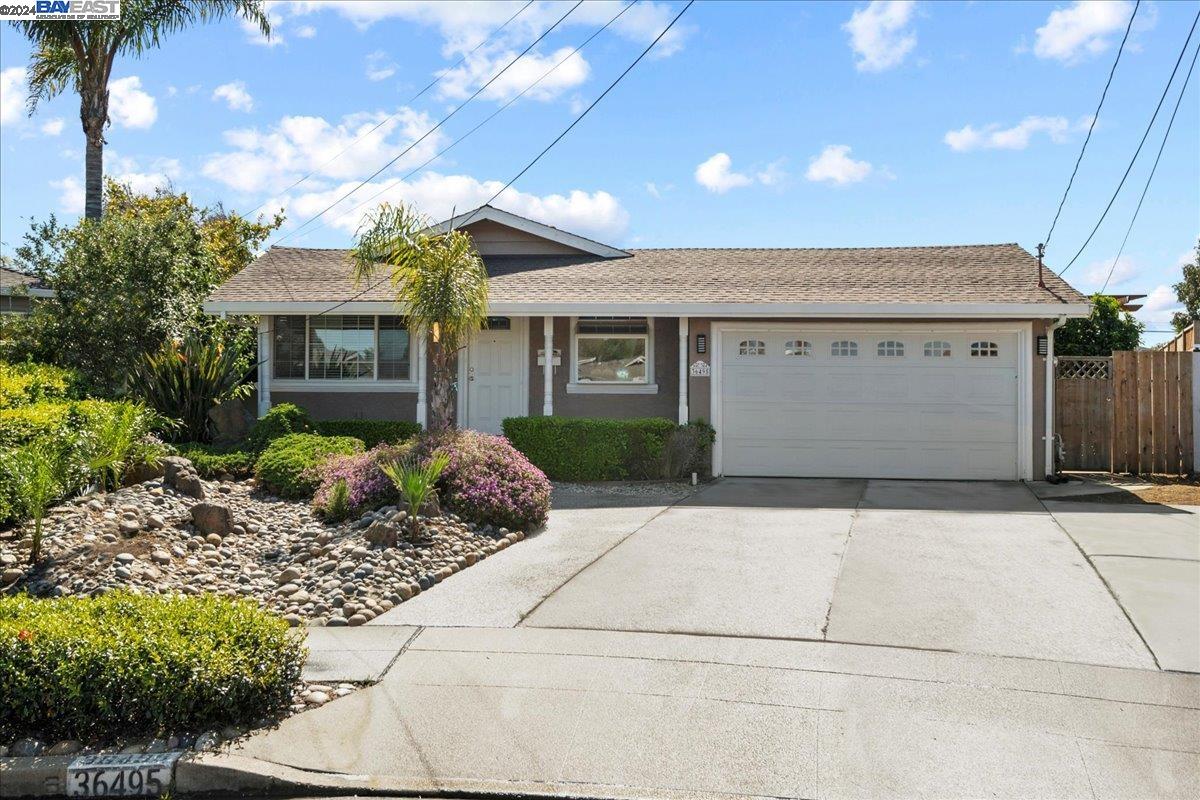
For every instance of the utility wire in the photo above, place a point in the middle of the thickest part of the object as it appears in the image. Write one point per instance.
(485, 121)
(441, 74)
(1092, 125)
(1128, 169)
(1153, 169)
(536, 158)
(427, 133)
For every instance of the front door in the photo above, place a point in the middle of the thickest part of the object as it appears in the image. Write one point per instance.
(495, 378)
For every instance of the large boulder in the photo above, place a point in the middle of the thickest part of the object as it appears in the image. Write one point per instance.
(180, 475)
(231, 421)
(212, 518)
(383, 534)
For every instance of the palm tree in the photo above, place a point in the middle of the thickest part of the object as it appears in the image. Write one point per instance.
(81, 54)
(441, 285)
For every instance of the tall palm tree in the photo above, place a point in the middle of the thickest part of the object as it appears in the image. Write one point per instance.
(441, 285)
(81, 54)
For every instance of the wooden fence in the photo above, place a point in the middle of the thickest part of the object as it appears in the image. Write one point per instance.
(1132, 412)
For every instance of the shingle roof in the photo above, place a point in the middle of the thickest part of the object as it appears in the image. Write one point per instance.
(11, 279)
(996, 273)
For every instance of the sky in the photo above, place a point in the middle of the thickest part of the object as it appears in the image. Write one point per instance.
(748, 125)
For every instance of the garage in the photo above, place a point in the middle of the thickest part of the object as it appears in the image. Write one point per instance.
(870, 402)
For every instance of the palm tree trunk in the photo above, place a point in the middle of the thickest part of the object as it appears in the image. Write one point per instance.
(93, 112)
(441, 396)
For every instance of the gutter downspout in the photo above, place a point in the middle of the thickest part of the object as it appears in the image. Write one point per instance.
(1050, 370)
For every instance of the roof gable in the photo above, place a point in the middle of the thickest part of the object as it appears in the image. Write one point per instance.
(499, 232)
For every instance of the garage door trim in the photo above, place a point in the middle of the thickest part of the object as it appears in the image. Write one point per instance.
(1022, 330)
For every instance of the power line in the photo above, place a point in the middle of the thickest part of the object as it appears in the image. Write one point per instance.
(441, 74)
(1092, 125)
(538, 157)
(440, 123)
(1128, 169)
(485, 121)
(1153, 169)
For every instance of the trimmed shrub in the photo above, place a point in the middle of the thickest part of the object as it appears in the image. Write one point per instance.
(487, 480)
(22, 384)
(367, 485)
(592, 449)
(288, 467)
(133, 665)
(279, 421)
(23, 424)
(372, 431)
(213, 461)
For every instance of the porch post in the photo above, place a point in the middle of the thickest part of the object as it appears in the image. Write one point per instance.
(422, 372)
(265, 359)
(548, 367)
(683, 370)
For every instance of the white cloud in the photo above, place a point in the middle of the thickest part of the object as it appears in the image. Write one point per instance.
(12, 95)
(70, 195)
(993, 137)
(717, 175)
(880, 34)
(1096, 273)
(274, 10)
(1158, 306)
(834, 165)
(128, 105)
(379, 66)
(773, 174)
(461, 82)
(268, 161)
(1085, 28)
(53, 126)
(653, 190)
(438, 196)
(143, 178)
(235, 96)
(306, 31)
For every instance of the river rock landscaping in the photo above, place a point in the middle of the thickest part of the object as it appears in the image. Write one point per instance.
(181, 534)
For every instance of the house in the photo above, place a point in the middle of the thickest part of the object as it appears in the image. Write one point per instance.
(896, 362)
(18, 291)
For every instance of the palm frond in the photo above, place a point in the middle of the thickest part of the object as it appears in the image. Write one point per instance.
(52, 68)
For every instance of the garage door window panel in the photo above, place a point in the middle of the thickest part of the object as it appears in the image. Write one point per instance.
(890, 348)
(984, 350)
(844, 348)
(752, 347)
(797, 347)
(612, 351)
(938, 348)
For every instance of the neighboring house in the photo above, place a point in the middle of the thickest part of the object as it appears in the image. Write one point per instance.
(18, 291)
(895, 362)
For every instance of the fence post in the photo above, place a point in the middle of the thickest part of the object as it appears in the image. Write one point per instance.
(1193, 398)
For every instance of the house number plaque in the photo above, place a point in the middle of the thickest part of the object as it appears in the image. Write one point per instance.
(700, 369)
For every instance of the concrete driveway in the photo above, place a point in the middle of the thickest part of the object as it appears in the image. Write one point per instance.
(962, 567)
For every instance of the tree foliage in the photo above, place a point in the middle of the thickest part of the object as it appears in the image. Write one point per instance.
(1188, 292)
(441, 285)
(1106, 329)
(129, 282)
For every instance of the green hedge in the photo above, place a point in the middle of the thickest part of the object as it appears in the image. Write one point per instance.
(593, 449)
(22, 424)
(287, 466)
(213, 460)
(124, 665)
(279, 421)
(22, 384)
(372, 431)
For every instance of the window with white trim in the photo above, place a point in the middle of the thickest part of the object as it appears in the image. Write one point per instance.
(345, 347)
(797, 347)
(890, 348)
(612, 350)
(843, 348)
(937, 349)
(752, 347)
(984, 350)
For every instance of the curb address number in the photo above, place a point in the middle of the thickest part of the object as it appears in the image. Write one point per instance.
(121, 775)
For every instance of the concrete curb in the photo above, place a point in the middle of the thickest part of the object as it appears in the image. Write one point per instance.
(34, 776)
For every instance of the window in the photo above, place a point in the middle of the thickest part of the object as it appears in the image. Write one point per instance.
(844, 347)
(752, 347)
(497, 324)
(984, 350)
(341, 347)
(797, 347)
(612, 350)
(937, 349)
(890, 349)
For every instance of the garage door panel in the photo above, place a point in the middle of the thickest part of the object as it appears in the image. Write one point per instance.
(870, 415)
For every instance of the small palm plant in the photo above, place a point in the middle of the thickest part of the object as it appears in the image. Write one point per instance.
(116, 441)
(416, 483)
(39, 475)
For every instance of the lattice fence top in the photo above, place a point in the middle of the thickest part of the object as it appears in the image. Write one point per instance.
(1085, 368)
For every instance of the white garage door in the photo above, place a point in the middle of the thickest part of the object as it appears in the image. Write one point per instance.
(869, 403)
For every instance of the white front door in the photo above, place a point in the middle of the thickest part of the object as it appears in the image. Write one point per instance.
(874, 402)
(494, 379)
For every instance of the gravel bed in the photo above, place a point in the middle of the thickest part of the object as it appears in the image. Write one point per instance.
(673, 489)
(237, 541)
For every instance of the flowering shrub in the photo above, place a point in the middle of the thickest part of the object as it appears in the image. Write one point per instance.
(488, 481)
(367, 485)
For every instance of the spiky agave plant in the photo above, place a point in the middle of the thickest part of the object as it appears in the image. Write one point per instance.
(416, 482)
